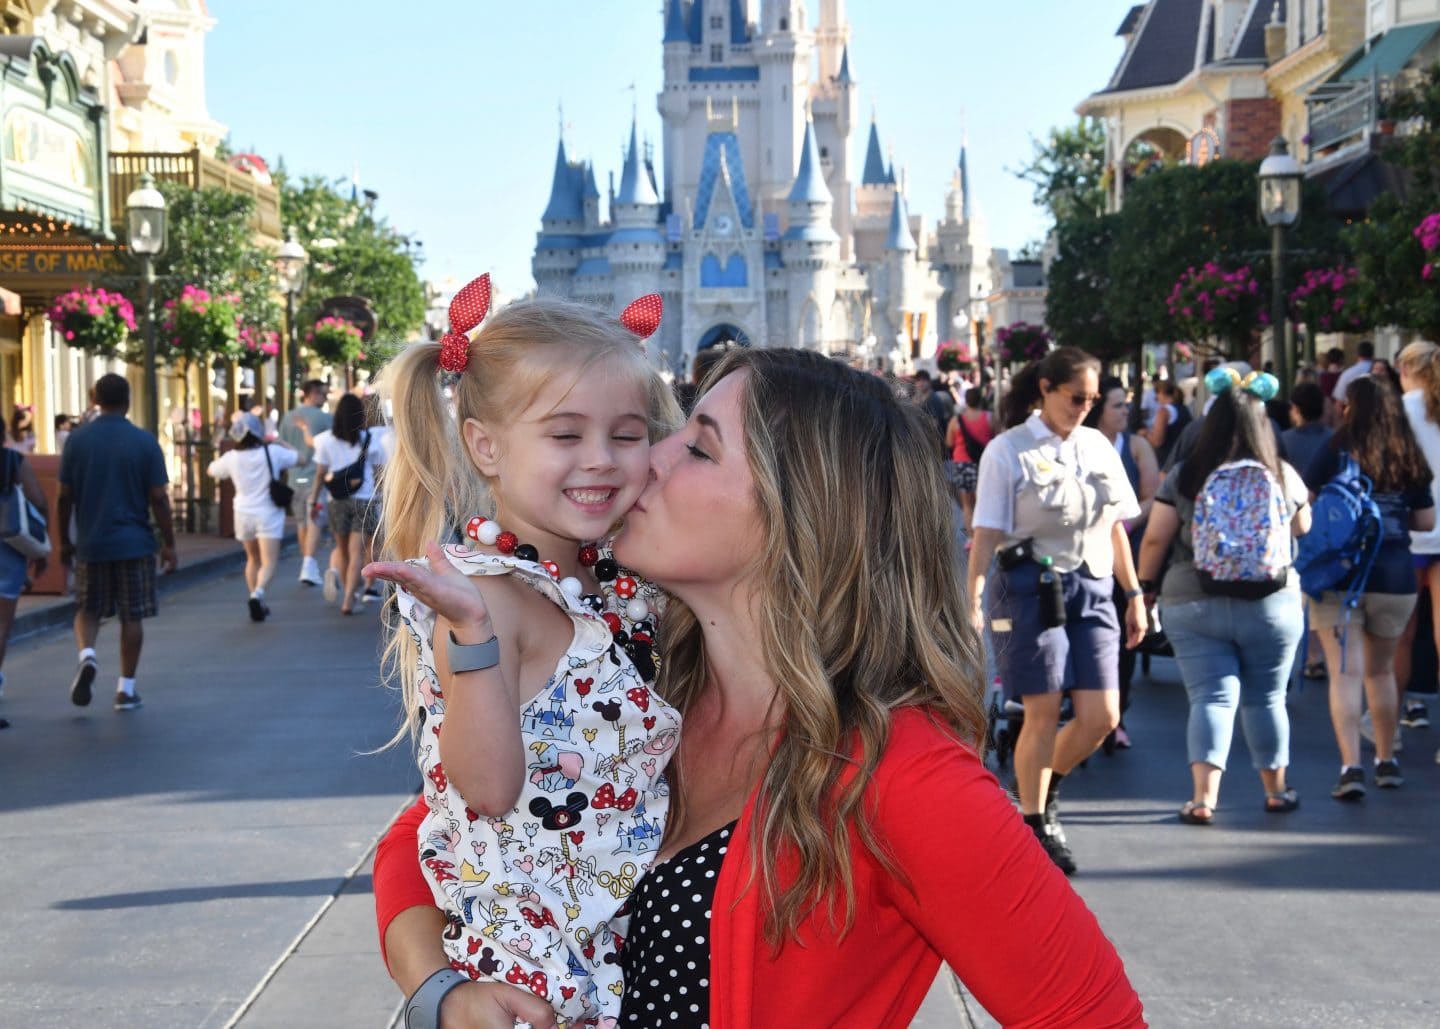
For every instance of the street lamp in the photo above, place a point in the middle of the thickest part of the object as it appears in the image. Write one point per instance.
(145, 222)
(290, 262)
(1280, 177)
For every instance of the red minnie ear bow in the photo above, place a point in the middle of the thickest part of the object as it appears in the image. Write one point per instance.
(467, 310)
(643, 316)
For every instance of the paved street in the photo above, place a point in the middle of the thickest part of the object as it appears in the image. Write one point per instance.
(204, 861)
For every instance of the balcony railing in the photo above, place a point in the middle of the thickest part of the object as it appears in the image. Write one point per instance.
(197, 171)
(1342, 113)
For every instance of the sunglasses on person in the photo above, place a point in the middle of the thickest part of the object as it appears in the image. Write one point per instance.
(1080, 399)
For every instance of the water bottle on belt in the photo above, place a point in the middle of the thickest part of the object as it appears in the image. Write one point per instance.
(1052, 595)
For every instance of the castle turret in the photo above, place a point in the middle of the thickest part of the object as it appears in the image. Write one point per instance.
(873, 200)
(900, 237)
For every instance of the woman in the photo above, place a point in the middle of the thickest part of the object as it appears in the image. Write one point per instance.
(1373, 432)
(832, 690)
(1052, 505)
(1419, 367)
(259, 523)
(16, 573)
(1231, 649)
(966, 437)
(21, 436)
(1112, 417)
(1171, 417)
(347, 448)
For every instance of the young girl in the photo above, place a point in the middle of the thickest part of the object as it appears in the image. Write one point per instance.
(538, 831)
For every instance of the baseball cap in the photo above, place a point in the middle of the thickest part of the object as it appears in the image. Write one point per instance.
(246, 424)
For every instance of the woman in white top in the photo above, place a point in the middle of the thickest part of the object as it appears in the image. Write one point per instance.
(259, 522)
(1419, 368)
(346, 459)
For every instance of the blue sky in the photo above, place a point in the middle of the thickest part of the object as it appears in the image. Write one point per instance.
(448, 108)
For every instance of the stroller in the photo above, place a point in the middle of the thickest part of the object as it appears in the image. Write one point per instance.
(1006, 717)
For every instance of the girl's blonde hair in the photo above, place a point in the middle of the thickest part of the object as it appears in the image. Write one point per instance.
(862, 613)
(1422, 360)
(430, 485)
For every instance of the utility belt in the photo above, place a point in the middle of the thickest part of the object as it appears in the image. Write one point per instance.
(1015, 555)
(1051, 594)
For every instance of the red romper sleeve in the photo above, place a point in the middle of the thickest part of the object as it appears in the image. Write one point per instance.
(399, 883)
(988, 899)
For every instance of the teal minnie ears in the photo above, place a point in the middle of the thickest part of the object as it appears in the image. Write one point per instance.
(1261, 384)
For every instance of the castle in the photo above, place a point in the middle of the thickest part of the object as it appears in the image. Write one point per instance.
(753, 228)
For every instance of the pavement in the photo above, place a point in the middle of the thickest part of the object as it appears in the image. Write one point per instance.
(204, 861)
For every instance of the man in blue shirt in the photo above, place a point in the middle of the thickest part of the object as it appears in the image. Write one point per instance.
(112, 477)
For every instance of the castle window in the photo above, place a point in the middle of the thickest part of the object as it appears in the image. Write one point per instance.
(717, 53)
(784, 24)
(734, 274)
(824, 153)
(717, 22)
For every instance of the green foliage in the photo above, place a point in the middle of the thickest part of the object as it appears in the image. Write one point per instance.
(352, 253)
(1066, 171)
(199, 325)
(1078, 281)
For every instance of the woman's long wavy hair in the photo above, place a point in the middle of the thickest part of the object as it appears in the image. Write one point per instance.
(1421, 360)
(861, 612)
(430, 484)
(1237, 428)
(1377, 434)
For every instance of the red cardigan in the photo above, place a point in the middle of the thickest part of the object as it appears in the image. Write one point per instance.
(986, 900)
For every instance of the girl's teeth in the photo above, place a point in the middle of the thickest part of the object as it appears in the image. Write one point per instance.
(589, 496)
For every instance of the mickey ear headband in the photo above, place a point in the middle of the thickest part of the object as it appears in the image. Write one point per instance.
(1261, 384)
(472, 303)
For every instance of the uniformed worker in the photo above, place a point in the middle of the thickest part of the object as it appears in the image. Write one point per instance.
(1050, 506)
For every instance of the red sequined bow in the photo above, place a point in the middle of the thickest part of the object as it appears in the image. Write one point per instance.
(643, 316)
(467, 310)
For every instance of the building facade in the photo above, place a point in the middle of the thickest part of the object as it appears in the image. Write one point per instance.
(752, 222)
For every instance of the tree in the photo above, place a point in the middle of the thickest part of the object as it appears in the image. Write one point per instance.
(353, 253)
(1078, 280)
(1066, 171)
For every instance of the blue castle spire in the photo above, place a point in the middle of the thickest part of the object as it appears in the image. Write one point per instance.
(635, 185)
(844, 76)
(964, 184)
(565, 200)
(875, 172)
(900, 238)
(675, 30)
(810, 185)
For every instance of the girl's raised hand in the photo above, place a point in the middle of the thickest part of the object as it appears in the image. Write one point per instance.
(442, 587)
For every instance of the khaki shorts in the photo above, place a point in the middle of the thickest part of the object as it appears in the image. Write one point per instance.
(1380, 614)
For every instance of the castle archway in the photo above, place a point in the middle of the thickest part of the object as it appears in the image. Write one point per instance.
(723, 333)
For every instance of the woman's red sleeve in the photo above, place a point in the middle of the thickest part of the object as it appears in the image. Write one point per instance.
(399, 883)
(988, 899)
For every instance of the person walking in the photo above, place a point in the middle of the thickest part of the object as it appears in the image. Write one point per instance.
(1233, 615)
(298, 431)
(112, 478)
(1171, 417)
(16, 571)
(1306, 437)
(345, 464)
(1364, 360)
(1419, 368)
(966, 437)
(1052, 504)
(1111, 416)
(255, 467)
(1375, 435)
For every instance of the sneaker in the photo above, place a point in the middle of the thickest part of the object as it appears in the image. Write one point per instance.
(310, 572)
(1387, 774)
(1057, 850)
(1052, 820)
(127, 701)
(1417, 715)
(1122, 738)
(1351, 785)
(258, 610)
(371, 596)
(80, 685)
(332, 585)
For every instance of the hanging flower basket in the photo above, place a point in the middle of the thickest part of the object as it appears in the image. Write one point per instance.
(1211, 302)
(954, 356)
(1021, 342)
(198, 326)
(255, 346)
(1327, 300)
(334, 341)
(97, 321)
(1428, 233)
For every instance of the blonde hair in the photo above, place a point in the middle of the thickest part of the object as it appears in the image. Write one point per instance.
(1422, 360)
(862, 613)
(431, 485)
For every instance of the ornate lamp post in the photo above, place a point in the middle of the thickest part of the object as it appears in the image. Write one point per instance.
(145, 225)
(290, 262)
(1280, 177)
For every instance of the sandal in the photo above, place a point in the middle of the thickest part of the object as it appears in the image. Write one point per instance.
(1283, 802)
(1190, 814)
(1314, 670)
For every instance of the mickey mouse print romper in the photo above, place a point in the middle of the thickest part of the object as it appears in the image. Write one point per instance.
(531, 898)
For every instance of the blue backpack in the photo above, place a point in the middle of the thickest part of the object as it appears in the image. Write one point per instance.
(1344, 538)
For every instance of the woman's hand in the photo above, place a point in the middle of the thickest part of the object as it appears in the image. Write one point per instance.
(493, 1006)
(443, 588)
(1137, 622)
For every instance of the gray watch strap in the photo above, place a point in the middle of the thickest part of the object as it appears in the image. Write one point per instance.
(473, 657)
(422, 1010)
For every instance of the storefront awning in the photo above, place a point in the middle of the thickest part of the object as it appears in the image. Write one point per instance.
(1388, 55)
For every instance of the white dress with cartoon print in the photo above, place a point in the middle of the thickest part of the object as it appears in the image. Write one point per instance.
(532, 897)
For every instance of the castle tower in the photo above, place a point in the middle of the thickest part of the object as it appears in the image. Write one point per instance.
(557, 247)
(635, 251)
(873, 201)
(810, 249)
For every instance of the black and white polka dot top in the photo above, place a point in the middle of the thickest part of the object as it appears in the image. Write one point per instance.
(666, 959)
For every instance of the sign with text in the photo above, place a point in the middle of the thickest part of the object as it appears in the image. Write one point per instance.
(79, 262)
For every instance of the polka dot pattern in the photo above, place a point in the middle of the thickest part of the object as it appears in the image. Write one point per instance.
(643, 316)
(666, 959)
(470, 305)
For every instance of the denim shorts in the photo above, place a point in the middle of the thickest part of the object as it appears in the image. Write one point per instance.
(1083, 654)
(14, 570)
